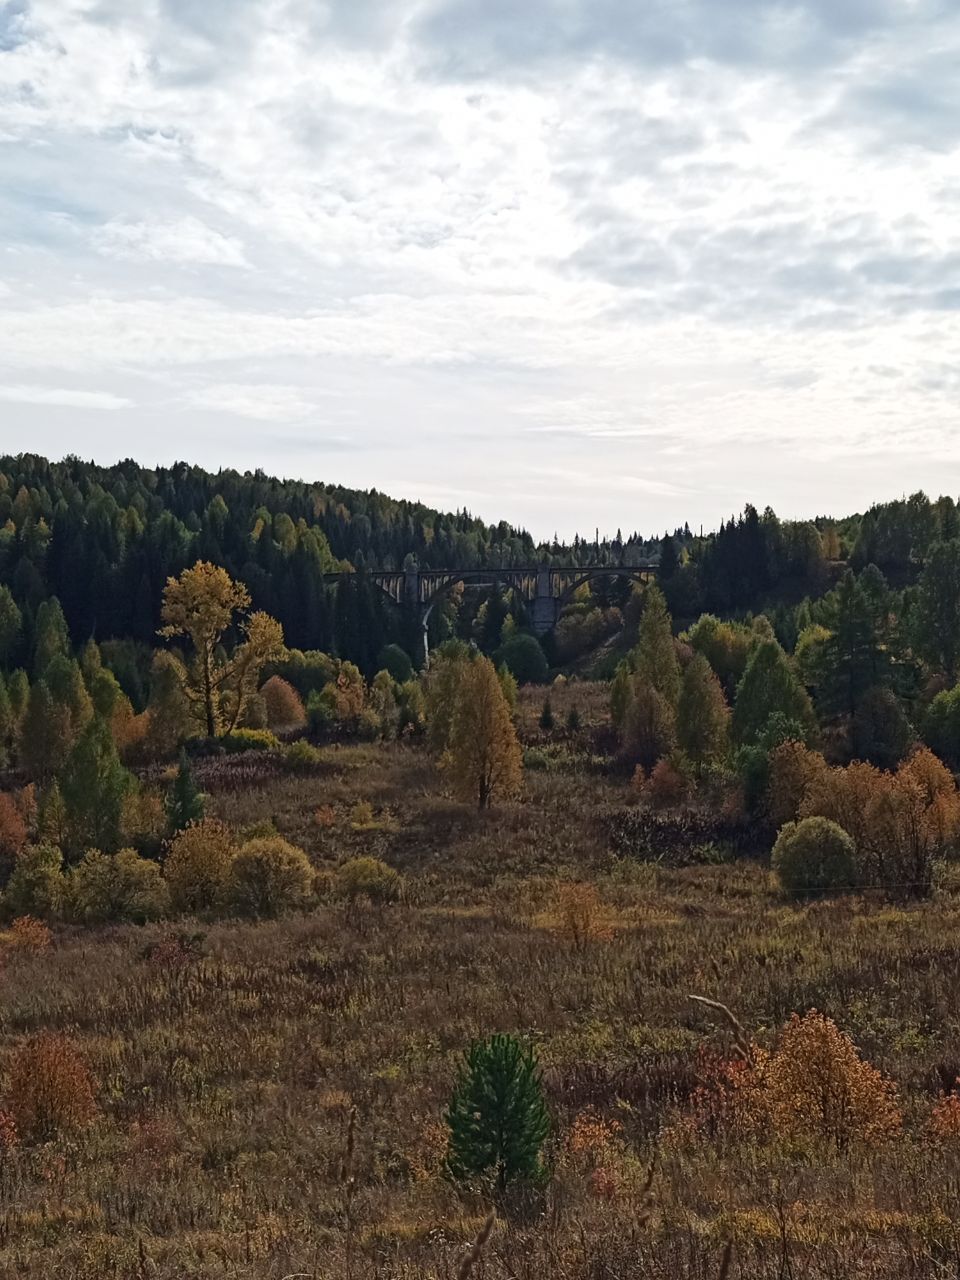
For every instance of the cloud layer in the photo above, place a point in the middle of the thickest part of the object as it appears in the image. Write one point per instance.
(572, 261)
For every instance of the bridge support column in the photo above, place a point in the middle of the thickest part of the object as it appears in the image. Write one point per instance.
(546, 606)
(417, 614)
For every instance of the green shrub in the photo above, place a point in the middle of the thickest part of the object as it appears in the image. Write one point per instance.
(941, 726)
(268, 876)
(107, 887)
(536, 760)
(397, 662)
(321, 711)
(497, 1117)
(301, 757)
(524, 658)
(197, 866)
(249, 740)
(37, 885)
(367, 878)
(814, 856)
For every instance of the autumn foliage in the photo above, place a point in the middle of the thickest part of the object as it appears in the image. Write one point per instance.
(51, 1088)
(813, 1084)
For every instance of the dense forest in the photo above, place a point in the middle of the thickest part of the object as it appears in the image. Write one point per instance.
(104, 540)
(261, 878)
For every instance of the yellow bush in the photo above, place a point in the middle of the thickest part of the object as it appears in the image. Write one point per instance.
(197, 866)
(367, 878)
(116, 887)
(269, 876)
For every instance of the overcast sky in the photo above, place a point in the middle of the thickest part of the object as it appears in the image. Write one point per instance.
(564, 262)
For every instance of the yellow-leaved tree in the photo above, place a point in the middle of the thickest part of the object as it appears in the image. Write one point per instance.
(201, 605)
(483, 757)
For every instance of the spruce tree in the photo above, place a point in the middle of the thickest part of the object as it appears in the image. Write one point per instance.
(497, 1117)
(95, 785)
(702, 714)
(546, 716)
(769, 688)
(654, 658)
(185, 800)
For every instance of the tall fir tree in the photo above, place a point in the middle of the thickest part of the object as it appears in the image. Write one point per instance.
(770, 688)
(654, 657)
(702, 714)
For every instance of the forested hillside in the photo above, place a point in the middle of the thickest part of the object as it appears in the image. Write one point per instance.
(104, 540)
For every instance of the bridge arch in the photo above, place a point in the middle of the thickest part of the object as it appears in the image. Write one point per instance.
(642, 575)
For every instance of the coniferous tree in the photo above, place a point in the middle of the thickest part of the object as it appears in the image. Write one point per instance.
(498, 1118)
(185, 802)
(938, 609)
(702, 714)
(7, 725)
(51, 636)
(852, 656)
(11, 625)
(649, 729)
(94, 785)
(654, 658)
(546, 716)
(44, 734)
(769, 688)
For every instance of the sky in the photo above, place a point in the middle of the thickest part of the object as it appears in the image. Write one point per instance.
(568, 263)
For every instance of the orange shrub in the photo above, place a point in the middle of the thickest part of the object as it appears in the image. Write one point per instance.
(813, 1083)
(51, 1088)
(580, 914)
(667, 786)
(13, 829)
(29, 934)
(283, 705)
(793, 770)
(816, 1082)
(944, 1122)
(591, 1139)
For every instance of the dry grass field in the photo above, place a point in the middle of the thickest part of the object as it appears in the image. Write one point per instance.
(229, 1057)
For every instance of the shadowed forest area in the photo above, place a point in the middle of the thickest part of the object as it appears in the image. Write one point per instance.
(625, 951)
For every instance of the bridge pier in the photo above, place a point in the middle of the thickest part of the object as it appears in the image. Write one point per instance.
(545, 606)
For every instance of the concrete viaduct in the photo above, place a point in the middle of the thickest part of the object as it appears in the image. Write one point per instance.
(545, 589)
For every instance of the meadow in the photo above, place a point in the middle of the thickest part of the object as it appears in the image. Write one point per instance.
(271, 1095)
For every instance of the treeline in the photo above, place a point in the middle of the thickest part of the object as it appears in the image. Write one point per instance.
(850, 715)
(104, 540)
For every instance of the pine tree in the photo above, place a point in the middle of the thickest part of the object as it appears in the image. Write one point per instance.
(649, 729)
(44, 737)
(95, 785)
(546, 716)
(7, 725)
(621, 695)
(483, 757)
(654, 659)
(51, 635)
(852, 656)
(11, 625)
(938, 609)
(498, 1117)
(769, 688)
(185, 801)
(702, 714)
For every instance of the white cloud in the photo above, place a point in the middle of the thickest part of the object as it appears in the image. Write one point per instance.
(265, 402)
(183, 241)
(589, 260)
(62, 396)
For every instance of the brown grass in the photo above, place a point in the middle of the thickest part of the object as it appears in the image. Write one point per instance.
(238, 1064)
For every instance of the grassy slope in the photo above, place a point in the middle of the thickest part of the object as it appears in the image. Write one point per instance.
(226, 1082)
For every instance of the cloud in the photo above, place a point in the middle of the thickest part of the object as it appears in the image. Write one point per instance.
(62, 396)
(571, 256)
(186, 240)
(265, 402)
